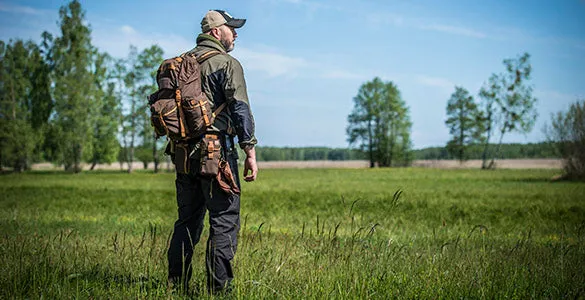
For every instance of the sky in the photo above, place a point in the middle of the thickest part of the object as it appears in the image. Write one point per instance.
(304, 60)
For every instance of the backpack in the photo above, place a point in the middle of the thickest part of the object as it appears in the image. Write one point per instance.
(179, 108)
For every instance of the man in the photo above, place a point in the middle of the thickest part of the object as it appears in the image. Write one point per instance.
(223, 81)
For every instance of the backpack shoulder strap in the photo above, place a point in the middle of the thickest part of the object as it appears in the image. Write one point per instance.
(209, 54)
(218, 110)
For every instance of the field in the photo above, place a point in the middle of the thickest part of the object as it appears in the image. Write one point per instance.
(306, 234)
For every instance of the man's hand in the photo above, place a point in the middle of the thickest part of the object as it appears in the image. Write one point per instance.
(250, 165)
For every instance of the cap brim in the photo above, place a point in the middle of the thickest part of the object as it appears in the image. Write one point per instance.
(236, 23)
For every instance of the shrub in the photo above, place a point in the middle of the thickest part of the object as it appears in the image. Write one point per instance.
(567, 132)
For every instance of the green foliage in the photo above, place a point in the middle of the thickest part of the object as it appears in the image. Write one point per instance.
(144, 154)
(464, 122)
(23, 103)
(74, 88)
(138, 72)
(380, 124)
(567, 132)
(508, 104)
(473, 151)
(306, 153)
(148, 61)
(305, 234)
(507, 151)
(105, 140)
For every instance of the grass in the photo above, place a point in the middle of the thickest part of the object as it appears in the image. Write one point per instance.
(306, 234)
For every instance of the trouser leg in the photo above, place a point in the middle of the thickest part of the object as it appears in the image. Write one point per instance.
(187, 229)
(224, 221)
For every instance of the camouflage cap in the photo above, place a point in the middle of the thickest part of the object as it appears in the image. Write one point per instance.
(216, 18)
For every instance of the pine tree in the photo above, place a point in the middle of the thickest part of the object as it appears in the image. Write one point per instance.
(464, 122)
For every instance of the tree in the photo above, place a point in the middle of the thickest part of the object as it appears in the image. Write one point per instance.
(25, 103)
(41, 99)
(508, 104)
(74, 88)
(464, 122)
(138, 74)
(105, 141)
(567, 132)
(148, 61)
(134, 112)
(380, 123)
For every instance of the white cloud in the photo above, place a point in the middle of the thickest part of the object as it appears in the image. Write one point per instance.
(437, 82)
(311, 6)
(117, 41)
(453, 30)
(271, 63)
(378, 18)
(385, 19)
(342, 74)
(560, 100)
(128, 30)
(266, 60)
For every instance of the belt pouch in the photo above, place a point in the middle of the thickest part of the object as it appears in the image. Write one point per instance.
(210, 155)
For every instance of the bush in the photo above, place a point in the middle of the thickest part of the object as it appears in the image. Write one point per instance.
(568, 134)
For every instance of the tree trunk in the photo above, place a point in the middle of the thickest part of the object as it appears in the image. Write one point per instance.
(461, 140)
(371, 147)
(484, 157)
(93, 164)
(77, 159)
(130, 157)
(493, 161)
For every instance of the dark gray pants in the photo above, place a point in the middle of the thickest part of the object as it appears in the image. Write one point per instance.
(195, 196)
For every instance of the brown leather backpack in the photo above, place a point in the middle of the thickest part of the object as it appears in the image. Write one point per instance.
(179, 108)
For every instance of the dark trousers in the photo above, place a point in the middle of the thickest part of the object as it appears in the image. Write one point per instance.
(195, 196)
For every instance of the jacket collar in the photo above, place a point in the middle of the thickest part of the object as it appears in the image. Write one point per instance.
(207, 40)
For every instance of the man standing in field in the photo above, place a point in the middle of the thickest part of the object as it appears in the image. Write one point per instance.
(223, 81)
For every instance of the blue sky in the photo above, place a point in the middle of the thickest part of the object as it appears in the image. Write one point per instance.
(304, 60)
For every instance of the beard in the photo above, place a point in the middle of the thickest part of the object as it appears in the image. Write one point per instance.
(227, 45)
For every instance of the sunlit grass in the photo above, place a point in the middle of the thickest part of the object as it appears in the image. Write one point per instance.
(319, 233)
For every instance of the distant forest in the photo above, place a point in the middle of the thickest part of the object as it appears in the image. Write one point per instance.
(508, 151)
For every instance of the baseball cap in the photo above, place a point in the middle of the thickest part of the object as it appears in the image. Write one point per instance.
(215, 18)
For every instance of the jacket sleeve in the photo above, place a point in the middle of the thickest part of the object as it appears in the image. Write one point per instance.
(239, 106)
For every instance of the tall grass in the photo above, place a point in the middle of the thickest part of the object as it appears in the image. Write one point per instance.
(319, 233)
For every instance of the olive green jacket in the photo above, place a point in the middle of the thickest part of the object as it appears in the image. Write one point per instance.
(222, 79)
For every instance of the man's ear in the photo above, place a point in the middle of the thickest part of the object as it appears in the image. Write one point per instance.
(215, 32)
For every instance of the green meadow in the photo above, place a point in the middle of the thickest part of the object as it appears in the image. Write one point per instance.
(305, 234)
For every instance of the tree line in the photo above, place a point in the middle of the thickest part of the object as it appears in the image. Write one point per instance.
(66, 102)
(507, 151)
